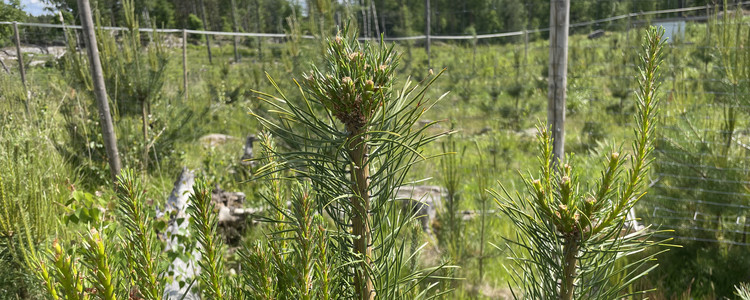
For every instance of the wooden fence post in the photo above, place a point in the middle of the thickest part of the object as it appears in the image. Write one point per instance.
(257, 29)
(558, 68)
(375, 20)
(207, 36)
(627, 32)
(364, 23)
(4, 67)
(525, 48)
(22, 69)
(236, 29)
(427, 30)
(100, 91)
(64, 29)
(708, 32)
(184, 65)
(19, 55)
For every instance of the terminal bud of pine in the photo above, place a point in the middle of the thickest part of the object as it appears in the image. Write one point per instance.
(351, 87)
(614, 156)
(539, 190)
(57, 249)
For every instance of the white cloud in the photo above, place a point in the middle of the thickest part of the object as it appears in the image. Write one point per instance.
(34, 7)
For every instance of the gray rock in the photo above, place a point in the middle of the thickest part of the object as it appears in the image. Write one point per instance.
(596, 34)
(529, 132)
(423, 201)
(215, 139)
(484, 130)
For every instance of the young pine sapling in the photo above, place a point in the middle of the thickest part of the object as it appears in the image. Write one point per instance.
(354, 138)
(570, 240)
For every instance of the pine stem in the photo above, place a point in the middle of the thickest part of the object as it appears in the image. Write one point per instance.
(360, 207)
(570, 252)
(481, 239)
(44, 274)
(204, 222)
(144, 119)
(98, 265)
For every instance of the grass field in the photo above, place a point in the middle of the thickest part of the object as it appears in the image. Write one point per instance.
(496, 95)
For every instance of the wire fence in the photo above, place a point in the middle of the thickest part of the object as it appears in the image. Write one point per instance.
(703, 161)
(414, 37)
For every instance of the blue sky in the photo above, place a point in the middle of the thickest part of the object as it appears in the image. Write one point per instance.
(33, 7)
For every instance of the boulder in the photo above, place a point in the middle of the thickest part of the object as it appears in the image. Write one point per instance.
(596, 34)
(215, 139)
(529, 132)
(484, 130)
(423, 201)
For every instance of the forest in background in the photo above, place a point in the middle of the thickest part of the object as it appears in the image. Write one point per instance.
(389, 17)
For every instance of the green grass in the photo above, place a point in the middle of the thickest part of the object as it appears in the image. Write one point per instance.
(35, 184)
(496, 97)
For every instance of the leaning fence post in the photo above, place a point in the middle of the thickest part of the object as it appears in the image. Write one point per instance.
(4, 67)
(206, 35)
(21, 68)
(65, 30)
(184, 65)
(236, 29)
(100, 91)
(19, 55)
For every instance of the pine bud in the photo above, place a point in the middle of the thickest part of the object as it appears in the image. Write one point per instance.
(537, 184)
(57, 249)
(347, 80)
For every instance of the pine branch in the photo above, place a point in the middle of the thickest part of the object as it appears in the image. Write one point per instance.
(142, 249)
(204, 222)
